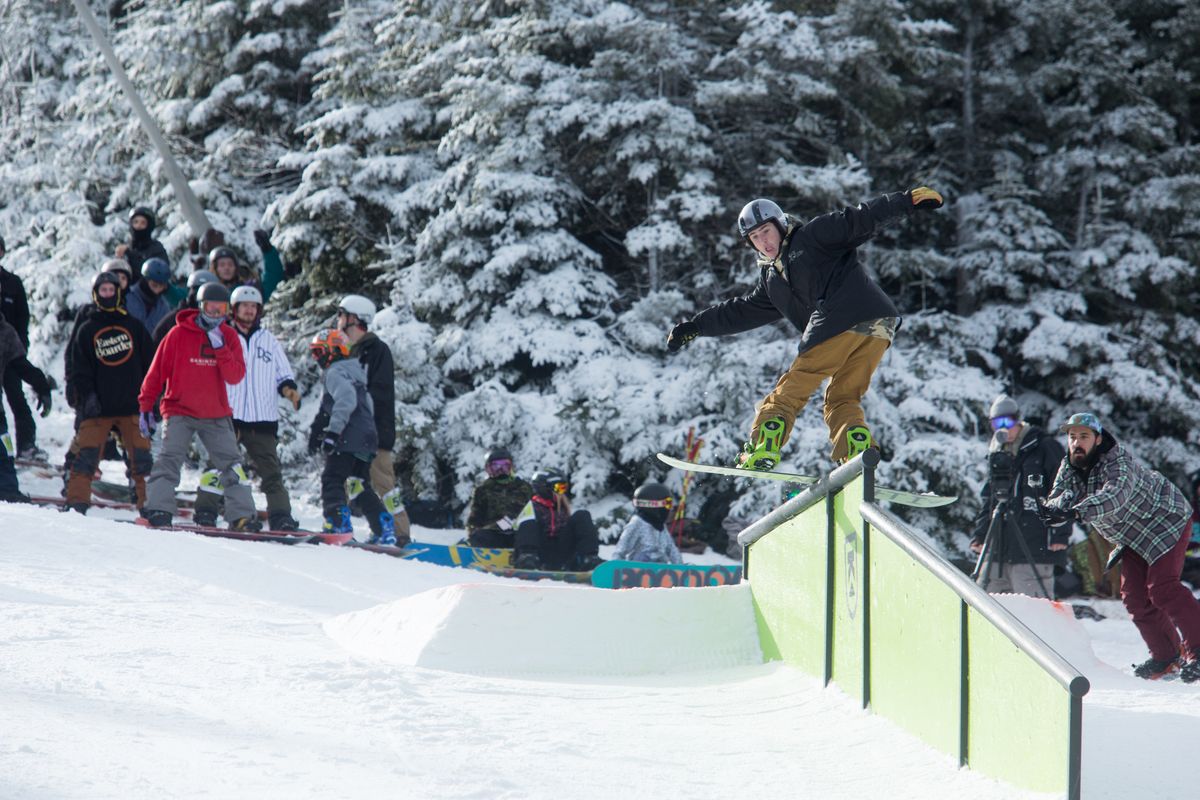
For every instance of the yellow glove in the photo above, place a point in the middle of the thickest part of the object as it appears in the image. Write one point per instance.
(925, 198)
(292, 395)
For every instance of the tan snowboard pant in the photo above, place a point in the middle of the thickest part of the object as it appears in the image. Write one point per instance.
(848, 360)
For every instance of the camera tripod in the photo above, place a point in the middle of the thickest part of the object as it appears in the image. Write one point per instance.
(1003, 525)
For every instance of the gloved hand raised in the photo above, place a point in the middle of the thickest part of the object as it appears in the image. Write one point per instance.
(263, 240)
(681, 334)
(925, 199)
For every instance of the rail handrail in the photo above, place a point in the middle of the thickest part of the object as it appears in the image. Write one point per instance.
(1017, 632)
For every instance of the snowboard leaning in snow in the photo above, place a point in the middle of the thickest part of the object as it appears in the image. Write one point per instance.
(644, 575)
(903, 498)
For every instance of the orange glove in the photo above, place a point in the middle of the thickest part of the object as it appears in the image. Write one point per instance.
(292, 395)
(925, 198)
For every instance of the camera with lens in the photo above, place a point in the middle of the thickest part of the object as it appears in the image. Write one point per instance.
(1000, 467)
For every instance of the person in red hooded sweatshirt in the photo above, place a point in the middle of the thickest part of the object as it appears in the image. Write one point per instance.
(193, 363)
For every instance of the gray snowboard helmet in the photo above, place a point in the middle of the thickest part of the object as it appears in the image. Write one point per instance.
(759, 212)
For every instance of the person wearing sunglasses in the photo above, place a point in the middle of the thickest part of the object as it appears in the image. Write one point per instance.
(645, 537)
(1035, 459)
(497, 501)
(550, 535)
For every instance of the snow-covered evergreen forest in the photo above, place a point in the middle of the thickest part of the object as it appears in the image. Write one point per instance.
(537, 190)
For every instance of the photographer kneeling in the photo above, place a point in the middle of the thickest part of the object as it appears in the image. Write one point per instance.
(1022, 550)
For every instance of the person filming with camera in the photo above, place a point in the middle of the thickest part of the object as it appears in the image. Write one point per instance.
(1018, 550)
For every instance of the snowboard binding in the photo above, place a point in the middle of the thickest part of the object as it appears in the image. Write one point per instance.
(764, 455)
(858, 440)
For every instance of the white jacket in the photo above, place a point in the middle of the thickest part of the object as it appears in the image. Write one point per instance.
(256, 398)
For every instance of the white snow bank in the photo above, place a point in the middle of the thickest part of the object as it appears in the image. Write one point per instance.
(557, 631)
(1056, 625)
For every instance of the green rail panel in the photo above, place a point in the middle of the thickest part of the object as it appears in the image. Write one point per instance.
(916, 647)
(789, 591)
(849, 588)
(1019, 725)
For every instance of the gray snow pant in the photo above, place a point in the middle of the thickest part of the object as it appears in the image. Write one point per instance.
(218, 438)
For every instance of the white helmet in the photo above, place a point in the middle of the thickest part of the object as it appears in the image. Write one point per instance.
(245, 294)
(359, 306)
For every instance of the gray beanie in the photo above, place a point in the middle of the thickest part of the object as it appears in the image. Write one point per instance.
(1004, 406)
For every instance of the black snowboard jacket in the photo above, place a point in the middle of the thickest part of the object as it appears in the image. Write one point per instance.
(1034, 467)
(817, 283)
(374, 354)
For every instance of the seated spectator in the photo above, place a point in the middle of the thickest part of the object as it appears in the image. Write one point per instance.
(496, 502)
(552, 536)
(646, 537)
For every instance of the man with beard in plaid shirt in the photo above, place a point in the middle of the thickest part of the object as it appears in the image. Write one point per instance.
(1099, 483)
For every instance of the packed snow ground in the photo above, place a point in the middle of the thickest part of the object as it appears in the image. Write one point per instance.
(149, 664)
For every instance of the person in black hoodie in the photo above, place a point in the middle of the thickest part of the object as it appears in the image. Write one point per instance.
(14, 305)
(549, 534)
(1036, 457)
(112, 353)
(809, 274)
(142, 245)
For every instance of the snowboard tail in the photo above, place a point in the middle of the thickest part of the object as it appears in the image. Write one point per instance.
(898, 496)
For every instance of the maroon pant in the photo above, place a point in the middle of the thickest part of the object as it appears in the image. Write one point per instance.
(1161, 606)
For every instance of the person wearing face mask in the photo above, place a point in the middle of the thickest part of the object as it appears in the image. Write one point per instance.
(112, 354)
(191, 368)
(142, 245)
(645, 537)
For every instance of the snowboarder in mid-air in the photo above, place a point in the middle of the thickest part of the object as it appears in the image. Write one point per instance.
(809, 273)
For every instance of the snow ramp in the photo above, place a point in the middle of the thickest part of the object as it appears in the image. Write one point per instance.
(540, 631)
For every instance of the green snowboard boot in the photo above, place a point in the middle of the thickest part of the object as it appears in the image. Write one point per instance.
(764, 455)
(858, 440)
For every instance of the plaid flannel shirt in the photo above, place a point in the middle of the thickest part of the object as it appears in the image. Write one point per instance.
(1125, 502)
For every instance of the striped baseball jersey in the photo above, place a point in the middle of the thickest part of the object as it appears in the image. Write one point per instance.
(256, 398)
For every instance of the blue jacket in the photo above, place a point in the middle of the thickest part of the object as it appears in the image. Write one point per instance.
(146, 307)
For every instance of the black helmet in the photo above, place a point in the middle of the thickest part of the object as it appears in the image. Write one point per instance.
(199, 278)
(496, 454)
(217, 254)
(106, 304)
(213, 291)
(759, 212)
(502, 459)
(142, 211)
(544, 482)
(652, 495)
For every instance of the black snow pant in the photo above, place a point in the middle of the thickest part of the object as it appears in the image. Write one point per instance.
(23, 425)
(574, 541)
(338, 468)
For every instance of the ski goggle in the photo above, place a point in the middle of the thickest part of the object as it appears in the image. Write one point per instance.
(1002, 423)
(666, 502)
(215, 308)
(501, 466)
(560, 487)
